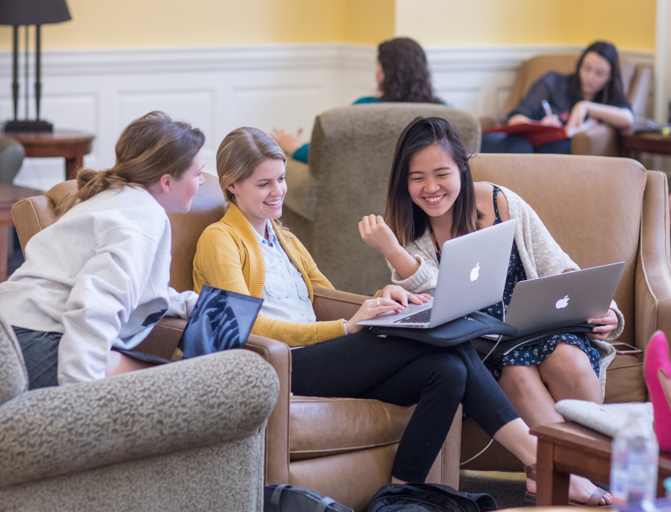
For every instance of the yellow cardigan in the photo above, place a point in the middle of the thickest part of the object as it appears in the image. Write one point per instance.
(229, 256)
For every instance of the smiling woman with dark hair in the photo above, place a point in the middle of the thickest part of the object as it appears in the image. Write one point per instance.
(593, 91)
(402, 75)
(432, 198)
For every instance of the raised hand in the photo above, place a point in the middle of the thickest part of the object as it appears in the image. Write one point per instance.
(287, 141)
(377, 235)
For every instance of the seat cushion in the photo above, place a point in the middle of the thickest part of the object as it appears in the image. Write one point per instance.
(13, 373)
(329, 426)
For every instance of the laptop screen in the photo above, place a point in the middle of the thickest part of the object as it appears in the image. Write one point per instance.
(221, 320)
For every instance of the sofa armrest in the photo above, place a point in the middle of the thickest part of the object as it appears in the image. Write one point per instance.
(278, 355)
(653, 269)
(599, 140)
(199, 402)
(334, 304)
(494, 120)
(488, 122)
(163, 338)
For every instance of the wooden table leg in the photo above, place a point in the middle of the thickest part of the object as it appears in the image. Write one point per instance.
(551, 485)
(72, 165)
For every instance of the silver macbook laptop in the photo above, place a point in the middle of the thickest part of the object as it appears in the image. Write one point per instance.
(472, 275)
(563, 300)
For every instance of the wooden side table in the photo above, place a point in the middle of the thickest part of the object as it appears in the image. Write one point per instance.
(569, 448)
(9, 195)
(69, 144)
(632, 144)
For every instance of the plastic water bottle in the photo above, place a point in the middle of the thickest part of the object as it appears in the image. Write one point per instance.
(633, 466)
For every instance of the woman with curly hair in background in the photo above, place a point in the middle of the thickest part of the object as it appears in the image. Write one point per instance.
(402, 75)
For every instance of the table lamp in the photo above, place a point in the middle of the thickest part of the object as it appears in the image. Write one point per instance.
(29, 12)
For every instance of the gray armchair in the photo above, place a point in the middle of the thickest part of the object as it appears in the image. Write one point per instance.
(350, 159)
(184, 436)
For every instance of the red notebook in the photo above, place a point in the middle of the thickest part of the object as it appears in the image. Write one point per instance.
(535, 133)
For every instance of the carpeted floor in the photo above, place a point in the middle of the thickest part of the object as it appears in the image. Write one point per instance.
(506, 488)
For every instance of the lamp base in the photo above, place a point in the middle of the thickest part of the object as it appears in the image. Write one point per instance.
(28, 126)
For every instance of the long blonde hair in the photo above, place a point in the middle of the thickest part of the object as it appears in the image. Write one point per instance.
(239, 154)
(148, 148)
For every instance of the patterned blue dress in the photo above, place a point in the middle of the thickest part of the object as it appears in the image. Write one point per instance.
(531, 355)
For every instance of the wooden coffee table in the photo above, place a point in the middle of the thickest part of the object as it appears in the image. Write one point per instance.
(566, 448)
(69, 144)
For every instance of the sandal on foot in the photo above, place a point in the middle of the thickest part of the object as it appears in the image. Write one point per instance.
(593, 501)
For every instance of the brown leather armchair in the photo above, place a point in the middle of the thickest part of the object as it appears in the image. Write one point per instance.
(341, 447)
(598, 140)
(600, 210)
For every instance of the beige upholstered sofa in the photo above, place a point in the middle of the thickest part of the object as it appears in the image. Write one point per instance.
(350, 158)
(598, 140)
(184, 436)
(343, 448)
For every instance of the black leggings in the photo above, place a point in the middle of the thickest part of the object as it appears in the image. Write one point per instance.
(405, 372)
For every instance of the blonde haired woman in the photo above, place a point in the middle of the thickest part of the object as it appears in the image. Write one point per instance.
(99, 276)
(248, 252)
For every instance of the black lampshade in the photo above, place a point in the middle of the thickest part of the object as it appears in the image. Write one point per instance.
(33, 12)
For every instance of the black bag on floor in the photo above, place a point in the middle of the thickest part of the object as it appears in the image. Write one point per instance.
(287, 498)
(428, 498)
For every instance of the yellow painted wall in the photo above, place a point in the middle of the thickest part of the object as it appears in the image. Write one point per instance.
(369, 21)
(486, 22)
(179, 23)
(626, 23)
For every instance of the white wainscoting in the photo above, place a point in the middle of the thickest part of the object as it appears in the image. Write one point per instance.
(219, 89)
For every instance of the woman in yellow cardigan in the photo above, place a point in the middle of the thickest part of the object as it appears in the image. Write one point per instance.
(247, 252)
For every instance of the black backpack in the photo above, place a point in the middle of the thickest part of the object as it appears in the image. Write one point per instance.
(428, 498)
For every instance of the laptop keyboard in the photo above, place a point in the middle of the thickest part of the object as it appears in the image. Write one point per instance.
(422, 317)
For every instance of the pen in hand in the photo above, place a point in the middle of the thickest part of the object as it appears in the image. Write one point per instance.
(546, 107)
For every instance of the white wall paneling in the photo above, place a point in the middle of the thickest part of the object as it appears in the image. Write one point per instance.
(219, 89)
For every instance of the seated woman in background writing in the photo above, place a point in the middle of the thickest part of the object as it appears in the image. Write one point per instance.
(594, 91)
(401, 75)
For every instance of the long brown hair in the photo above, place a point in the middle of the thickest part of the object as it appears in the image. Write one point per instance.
(239, 154)
(613, 92)
(148, 148)
(406, 73)
(407, 220)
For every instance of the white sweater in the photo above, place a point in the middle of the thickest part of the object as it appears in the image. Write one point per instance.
(99, 275)
(540, 254)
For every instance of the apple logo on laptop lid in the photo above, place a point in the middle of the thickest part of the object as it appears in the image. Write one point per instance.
(475, 273)
(562, 303)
